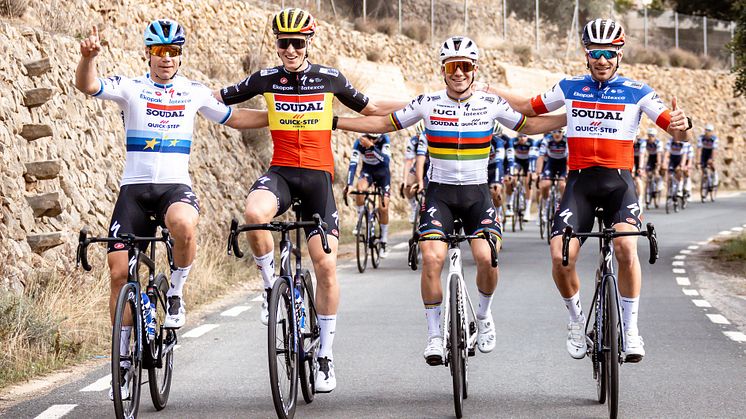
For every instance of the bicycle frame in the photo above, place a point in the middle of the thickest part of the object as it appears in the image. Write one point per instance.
(456, 273)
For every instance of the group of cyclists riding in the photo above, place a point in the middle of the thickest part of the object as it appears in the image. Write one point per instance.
(468, 161)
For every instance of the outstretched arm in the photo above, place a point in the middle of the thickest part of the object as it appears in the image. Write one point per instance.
(544, 123)
(86, 76)
(243, 118)
(518, 102)
(382, 107)
(371, 124)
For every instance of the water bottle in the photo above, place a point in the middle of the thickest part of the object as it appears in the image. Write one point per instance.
(147, 311)
(300, 309)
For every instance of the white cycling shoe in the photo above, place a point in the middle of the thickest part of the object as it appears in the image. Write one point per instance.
(175, 313)
(125, 375)
(325, 381)
(576, 344)
(486, 339)
(264, 312)
(635, 347)
(434, 350)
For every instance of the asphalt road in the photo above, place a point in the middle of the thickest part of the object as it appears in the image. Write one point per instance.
(695, 366)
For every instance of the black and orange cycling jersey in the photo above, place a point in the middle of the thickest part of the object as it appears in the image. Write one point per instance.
(300, 111)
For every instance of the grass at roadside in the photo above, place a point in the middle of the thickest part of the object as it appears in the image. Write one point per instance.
(734, 249)
(62, 317)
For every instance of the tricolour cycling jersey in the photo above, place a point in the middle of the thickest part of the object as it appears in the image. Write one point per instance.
(416, 146)
(527, 150)
(653, 148)
(458, 132)
(377, 156)
(159, 123)
(602, 118)
(554, 149)
(679, 148)
(639, 145)
(500, 150)
(707, 143)
(300, 111)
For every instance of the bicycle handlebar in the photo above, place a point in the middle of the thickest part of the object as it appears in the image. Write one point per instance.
(458, 238)
(81, 254)
(280, 226)
(609, 234)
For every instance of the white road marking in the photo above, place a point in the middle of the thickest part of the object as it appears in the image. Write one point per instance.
(683, 281)
(177, 347)
(402, 245)
(702, 303)
(235, 311)
(345, 266)
(199, 331)
(703, 243)
(690, 292)
(101, 384)
(680, 257)
(685, 252)
(725, 233)
(693, 247)
(744, 225)
(258, 298)
(679, 271)
(736, 336)
(738, 229)
(677, 263)
(56, 411)
(717, 318)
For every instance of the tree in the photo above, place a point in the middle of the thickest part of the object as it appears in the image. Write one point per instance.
(738, 46)
(716, 9)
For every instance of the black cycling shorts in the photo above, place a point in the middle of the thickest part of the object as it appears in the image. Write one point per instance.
(526, 166)
(637, 166)
(312, 187)
(554, 168)
(141, 208)
(705, 157)
(674, 162)
(587, 189)
(651, 163)
(379, 176)
(470, 203)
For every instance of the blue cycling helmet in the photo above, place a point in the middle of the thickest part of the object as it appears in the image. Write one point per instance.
(164, 31)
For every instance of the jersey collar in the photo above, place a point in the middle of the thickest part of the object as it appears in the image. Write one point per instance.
(602, 84)
(158, 85)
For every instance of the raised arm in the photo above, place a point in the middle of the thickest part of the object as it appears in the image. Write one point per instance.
(372, 124)
(243, 118)
(86, 76)
(543, 123)
(516, 101)
(382, 107)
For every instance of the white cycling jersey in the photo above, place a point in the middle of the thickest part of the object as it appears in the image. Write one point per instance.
(458, 132)
(159, 122)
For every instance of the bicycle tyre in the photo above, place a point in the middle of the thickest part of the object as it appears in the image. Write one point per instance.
(522, 208)
(160, 376)
(310, 332)
(375, 241)
(129, 296)
(542, 210)
(611, 341)
(457, 345)
(361, 242)
(668, 204)
(550, 215)
(282, 355)
(597, 354)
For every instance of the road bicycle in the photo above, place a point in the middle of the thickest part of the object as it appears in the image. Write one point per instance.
(459, 319)
(368, 230)
(604, 328)
(675, 198)
(519, 202)
(151, 346)
(709, 184)
(547, 210)
(652, 189)
(293, 334)
(413, 246)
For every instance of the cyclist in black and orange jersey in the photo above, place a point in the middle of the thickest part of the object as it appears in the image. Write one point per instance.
(299, 98)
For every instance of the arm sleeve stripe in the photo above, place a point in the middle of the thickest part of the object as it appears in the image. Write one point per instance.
(100, 89)
(227, 115)
(538, 105)
(522, 123)
(395, 121)
(664, 120)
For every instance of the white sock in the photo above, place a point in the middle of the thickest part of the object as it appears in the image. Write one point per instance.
(360, 209)
(266, 265)
(328, 325)
(630, 307)
(528, 208)
(510, 200)
(413, 204)
(573, 307)
(432, 314)
(483, 309)
(384, 233)
(124, 345)
(178, 278)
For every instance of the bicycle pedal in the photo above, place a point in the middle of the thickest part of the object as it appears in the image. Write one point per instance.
(472, 352)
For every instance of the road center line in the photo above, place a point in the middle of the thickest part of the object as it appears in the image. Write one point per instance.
(736, 336)
(402, 245)
(99, 385)
(702, 303)
(677, 263)
(693, 247)
(683, 281)
(56, 411)
(737, 229)
(199, 331)
(235, 311)
(680, 257)
(717, 318)
(679, 271)
(725, 233)
(690, 292)
(258, 298)
(685, 252)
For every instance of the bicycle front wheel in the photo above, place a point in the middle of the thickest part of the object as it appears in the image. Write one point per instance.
(161, 350)
(361, 242)
(375, 241)
(310, 333)
(126, 358)
(282, 354)
(611, 336)
(457, 343)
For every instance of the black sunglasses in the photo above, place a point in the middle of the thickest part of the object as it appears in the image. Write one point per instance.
(297, 43)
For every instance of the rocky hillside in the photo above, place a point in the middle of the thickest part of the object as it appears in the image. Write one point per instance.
(62, 153)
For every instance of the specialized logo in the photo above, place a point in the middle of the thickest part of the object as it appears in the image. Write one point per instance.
(115, 226)
(132, 263)
(491, 212)
(335, 215)
(566, 214)
(262, 180)
(284, 257)
(431, 211)
(634, 209)
(303, 103)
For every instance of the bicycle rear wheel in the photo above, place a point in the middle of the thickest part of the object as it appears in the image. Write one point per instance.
(597, 354)
(127, 302)
(361, 242)
(310, 330)
(457, 343)
(161, 349)
(283, 356)
(550, 215)
(521, 208)
(611, 345)
(375, 241)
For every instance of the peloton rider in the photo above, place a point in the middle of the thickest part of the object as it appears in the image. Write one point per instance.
(458, 126)
(603, 112)
(158, 110)
(302, 163)
(706, 146)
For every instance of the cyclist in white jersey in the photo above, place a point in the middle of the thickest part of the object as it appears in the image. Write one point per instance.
(603, 113)
(158, 111)
(458, 126)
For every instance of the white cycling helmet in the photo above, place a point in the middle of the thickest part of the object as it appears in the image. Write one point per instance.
(709, 127)
(652, 131)
(459, 46)
(603, 32)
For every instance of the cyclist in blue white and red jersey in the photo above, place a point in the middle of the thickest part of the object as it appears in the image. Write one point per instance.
(158, 111)
(500, 161)
(458, 125)
(603, 113)
(677, 160)
(375, 151)
(552, 163)
(654, 153)
(707, 144)
(415, 154)
(525, 154)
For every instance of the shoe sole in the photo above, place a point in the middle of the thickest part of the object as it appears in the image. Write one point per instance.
(633, 358)
(323, 391)
(434, 360)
